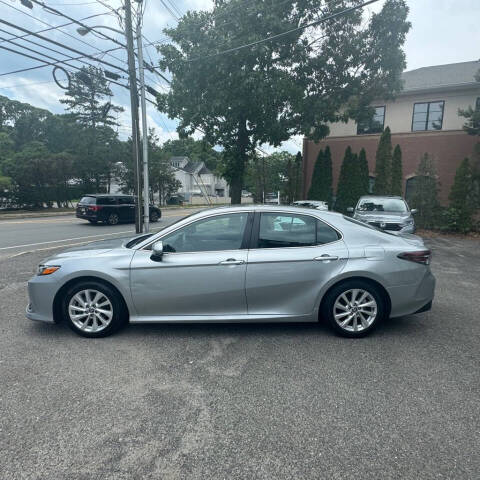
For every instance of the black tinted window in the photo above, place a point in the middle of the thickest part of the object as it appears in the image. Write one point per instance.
(222, 232)
(106, 201)
(88, 200)
(325, 233)
(125, 201)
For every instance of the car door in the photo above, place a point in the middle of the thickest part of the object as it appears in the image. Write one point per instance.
(293, 255)
(202, 271)
(126, 209)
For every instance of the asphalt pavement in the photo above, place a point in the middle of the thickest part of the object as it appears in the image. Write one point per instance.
(34, 234)
(244, 401)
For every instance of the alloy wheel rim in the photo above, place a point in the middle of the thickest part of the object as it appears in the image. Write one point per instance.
(90, 310)
(355, 310)
(113, 219)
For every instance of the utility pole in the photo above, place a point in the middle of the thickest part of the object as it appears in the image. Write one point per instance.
(146, 203)
(134, 108)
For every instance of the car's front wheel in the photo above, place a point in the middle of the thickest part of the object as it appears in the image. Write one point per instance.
(354, 308)
(113, 219)
(93, 309)
(154, 217)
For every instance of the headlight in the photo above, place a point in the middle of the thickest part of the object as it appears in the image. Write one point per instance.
(409, 221)
(47, 269)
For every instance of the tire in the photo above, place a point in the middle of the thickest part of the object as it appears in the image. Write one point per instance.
(113, 219)
(154, 217)
(340, 307)
(106, 316)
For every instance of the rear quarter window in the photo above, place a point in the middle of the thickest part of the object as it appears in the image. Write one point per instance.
(88, 200)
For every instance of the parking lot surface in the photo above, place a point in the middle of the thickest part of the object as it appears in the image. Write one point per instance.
(245, 401)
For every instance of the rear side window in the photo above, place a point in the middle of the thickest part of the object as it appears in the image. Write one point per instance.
(106, 201)
(125, 201)
(289, 230)
(88, 200)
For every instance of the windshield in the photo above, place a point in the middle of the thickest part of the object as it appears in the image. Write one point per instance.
(396, 205)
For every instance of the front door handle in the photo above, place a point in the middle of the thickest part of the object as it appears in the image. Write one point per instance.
(232, 261)
(326, 258)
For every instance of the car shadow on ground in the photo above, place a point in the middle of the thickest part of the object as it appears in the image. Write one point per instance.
(392, 327)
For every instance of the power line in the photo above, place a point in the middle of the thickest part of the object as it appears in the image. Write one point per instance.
(52, 64)
(283, 34)
(169, 10)
(57, 26)
(60, 30)
(63, 46)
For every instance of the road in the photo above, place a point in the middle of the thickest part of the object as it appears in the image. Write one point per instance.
(244, 401)
(46, 233)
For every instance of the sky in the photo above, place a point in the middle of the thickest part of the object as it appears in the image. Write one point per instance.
(443, 31)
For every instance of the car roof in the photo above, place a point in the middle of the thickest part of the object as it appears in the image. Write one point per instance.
(382, 196)
(270, 208)
(107, 195)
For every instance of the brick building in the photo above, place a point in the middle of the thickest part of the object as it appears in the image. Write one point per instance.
(423, 118)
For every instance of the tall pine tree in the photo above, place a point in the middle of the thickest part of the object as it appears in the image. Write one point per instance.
(383, 164)
(462, 201)
(397, 172)
(324, 181)
(364, 173)
(425, 194)
(316, 177)
(347, 194)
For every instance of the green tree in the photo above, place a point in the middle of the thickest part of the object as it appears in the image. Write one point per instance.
(88, 101)
(318, 172)
(363, 174)
(396, 183)
(425, 195)
(245, 97)
(322, 176)
(347, 190)
(462, 202)
(383, 164)
(298, 173)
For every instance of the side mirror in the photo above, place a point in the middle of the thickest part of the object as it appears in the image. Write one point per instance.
(350, 209)
(413, 211)
(157, 251)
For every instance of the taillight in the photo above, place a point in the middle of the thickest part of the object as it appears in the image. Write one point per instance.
(421, 256)
(95, 208)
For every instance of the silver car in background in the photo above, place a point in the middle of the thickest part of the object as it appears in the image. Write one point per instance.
(385, 212)
(239, 264)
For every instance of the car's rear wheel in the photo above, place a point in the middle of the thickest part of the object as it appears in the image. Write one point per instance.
(113, 219)
(93, 309)
(154, 217)
(354, 308)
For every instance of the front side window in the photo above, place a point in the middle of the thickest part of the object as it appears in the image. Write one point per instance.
(428, 116)
(374, 124)
(291, 230)
(222, 232)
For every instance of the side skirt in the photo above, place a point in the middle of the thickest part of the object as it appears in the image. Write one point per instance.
(223, 318)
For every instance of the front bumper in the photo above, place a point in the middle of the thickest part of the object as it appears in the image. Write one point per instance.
(41, 293)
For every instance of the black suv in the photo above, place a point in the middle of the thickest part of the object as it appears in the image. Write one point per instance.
(111, 209)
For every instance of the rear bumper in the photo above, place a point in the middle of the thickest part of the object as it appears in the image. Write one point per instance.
(86, 216)
(414, 298)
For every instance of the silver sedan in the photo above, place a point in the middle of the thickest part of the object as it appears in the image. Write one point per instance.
(239, 264)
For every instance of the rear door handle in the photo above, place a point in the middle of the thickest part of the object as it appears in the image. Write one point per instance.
(232, 261)
(326, 258)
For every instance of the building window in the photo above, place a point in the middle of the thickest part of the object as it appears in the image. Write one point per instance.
(374, 124)
(427, 116)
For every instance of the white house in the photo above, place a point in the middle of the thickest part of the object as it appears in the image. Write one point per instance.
(198, 181)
